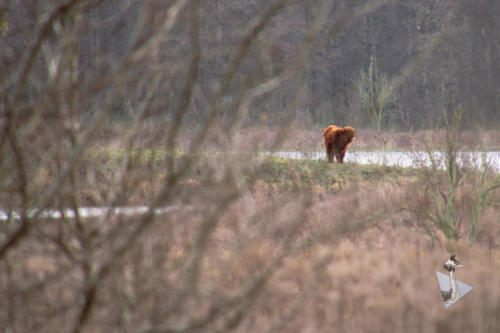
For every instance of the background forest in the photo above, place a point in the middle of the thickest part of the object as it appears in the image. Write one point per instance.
(435, 54)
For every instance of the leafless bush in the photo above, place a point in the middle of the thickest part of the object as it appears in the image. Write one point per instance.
(196, 265)
(457, 188)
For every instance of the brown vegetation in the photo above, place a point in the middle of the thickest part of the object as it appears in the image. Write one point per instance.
(300, 138)
(367, 266)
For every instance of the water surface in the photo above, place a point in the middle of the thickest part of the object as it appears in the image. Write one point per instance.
(406, 159)
(84, 212)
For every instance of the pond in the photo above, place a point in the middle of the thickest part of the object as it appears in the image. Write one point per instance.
(407, 159)
(84, 212)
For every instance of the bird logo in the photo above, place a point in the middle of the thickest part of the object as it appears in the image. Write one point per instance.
(451, 288)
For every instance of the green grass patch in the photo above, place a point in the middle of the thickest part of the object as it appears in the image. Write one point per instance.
(268, 169)
(143, 155)
(279, 171)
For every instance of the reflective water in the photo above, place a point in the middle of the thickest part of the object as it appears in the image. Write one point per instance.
(84, 212)
(410, 159)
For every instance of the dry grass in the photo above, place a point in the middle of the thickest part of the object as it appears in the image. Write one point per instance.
(252, 245)
(301, 138)
(356, 263)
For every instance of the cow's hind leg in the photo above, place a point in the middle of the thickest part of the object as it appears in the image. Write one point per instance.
(342, 154)
(329, 153)
(340, 157)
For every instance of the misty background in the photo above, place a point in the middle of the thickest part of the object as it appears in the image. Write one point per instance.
(441, 53)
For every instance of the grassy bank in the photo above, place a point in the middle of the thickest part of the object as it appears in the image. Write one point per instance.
(285, 174)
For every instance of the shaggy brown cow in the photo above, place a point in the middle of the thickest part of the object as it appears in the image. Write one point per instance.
(337, 139)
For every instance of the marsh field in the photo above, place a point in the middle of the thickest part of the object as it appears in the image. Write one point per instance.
(162, 166)
(251, 242)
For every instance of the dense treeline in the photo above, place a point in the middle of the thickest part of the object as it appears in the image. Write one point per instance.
(435, 54)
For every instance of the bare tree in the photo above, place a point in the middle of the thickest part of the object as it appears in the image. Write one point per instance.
(376, 94)
(195, 254)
